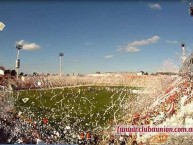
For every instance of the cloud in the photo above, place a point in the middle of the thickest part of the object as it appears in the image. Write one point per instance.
(28, 46)
(155, 6)
(171, 42)
(109, 56)
(133, 46)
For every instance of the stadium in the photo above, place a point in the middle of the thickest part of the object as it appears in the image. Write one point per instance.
(106, 107)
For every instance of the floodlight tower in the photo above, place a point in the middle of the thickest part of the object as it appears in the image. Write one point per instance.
(183, 53)
(61, 54)
(191, 9)
(17, 65)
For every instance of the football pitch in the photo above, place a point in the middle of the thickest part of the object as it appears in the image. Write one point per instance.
(81, 108)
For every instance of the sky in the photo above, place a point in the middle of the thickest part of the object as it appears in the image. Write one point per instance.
(105, 36)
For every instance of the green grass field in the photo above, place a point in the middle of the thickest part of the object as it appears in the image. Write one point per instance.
(84, 108)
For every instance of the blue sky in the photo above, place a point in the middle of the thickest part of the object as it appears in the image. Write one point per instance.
(94, 36)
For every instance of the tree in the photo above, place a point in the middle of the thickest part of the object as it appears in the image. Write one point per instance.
(13, 73)
(142, 72)
(35, 73)
(146, 73)
(21, 74)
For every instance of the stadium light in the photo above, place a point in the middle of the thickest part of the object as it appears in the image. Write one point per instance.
(61, 54)
(183, 53)
(191, 9)
(17, 65)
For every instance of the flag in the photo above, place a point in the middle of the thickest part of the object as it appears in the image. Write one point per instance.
(25, 100)
(2, 26)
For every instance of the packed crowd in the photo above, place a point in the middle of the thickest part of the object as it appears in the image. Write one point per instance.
(166, 106)
(15, 130)
(47, 81)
